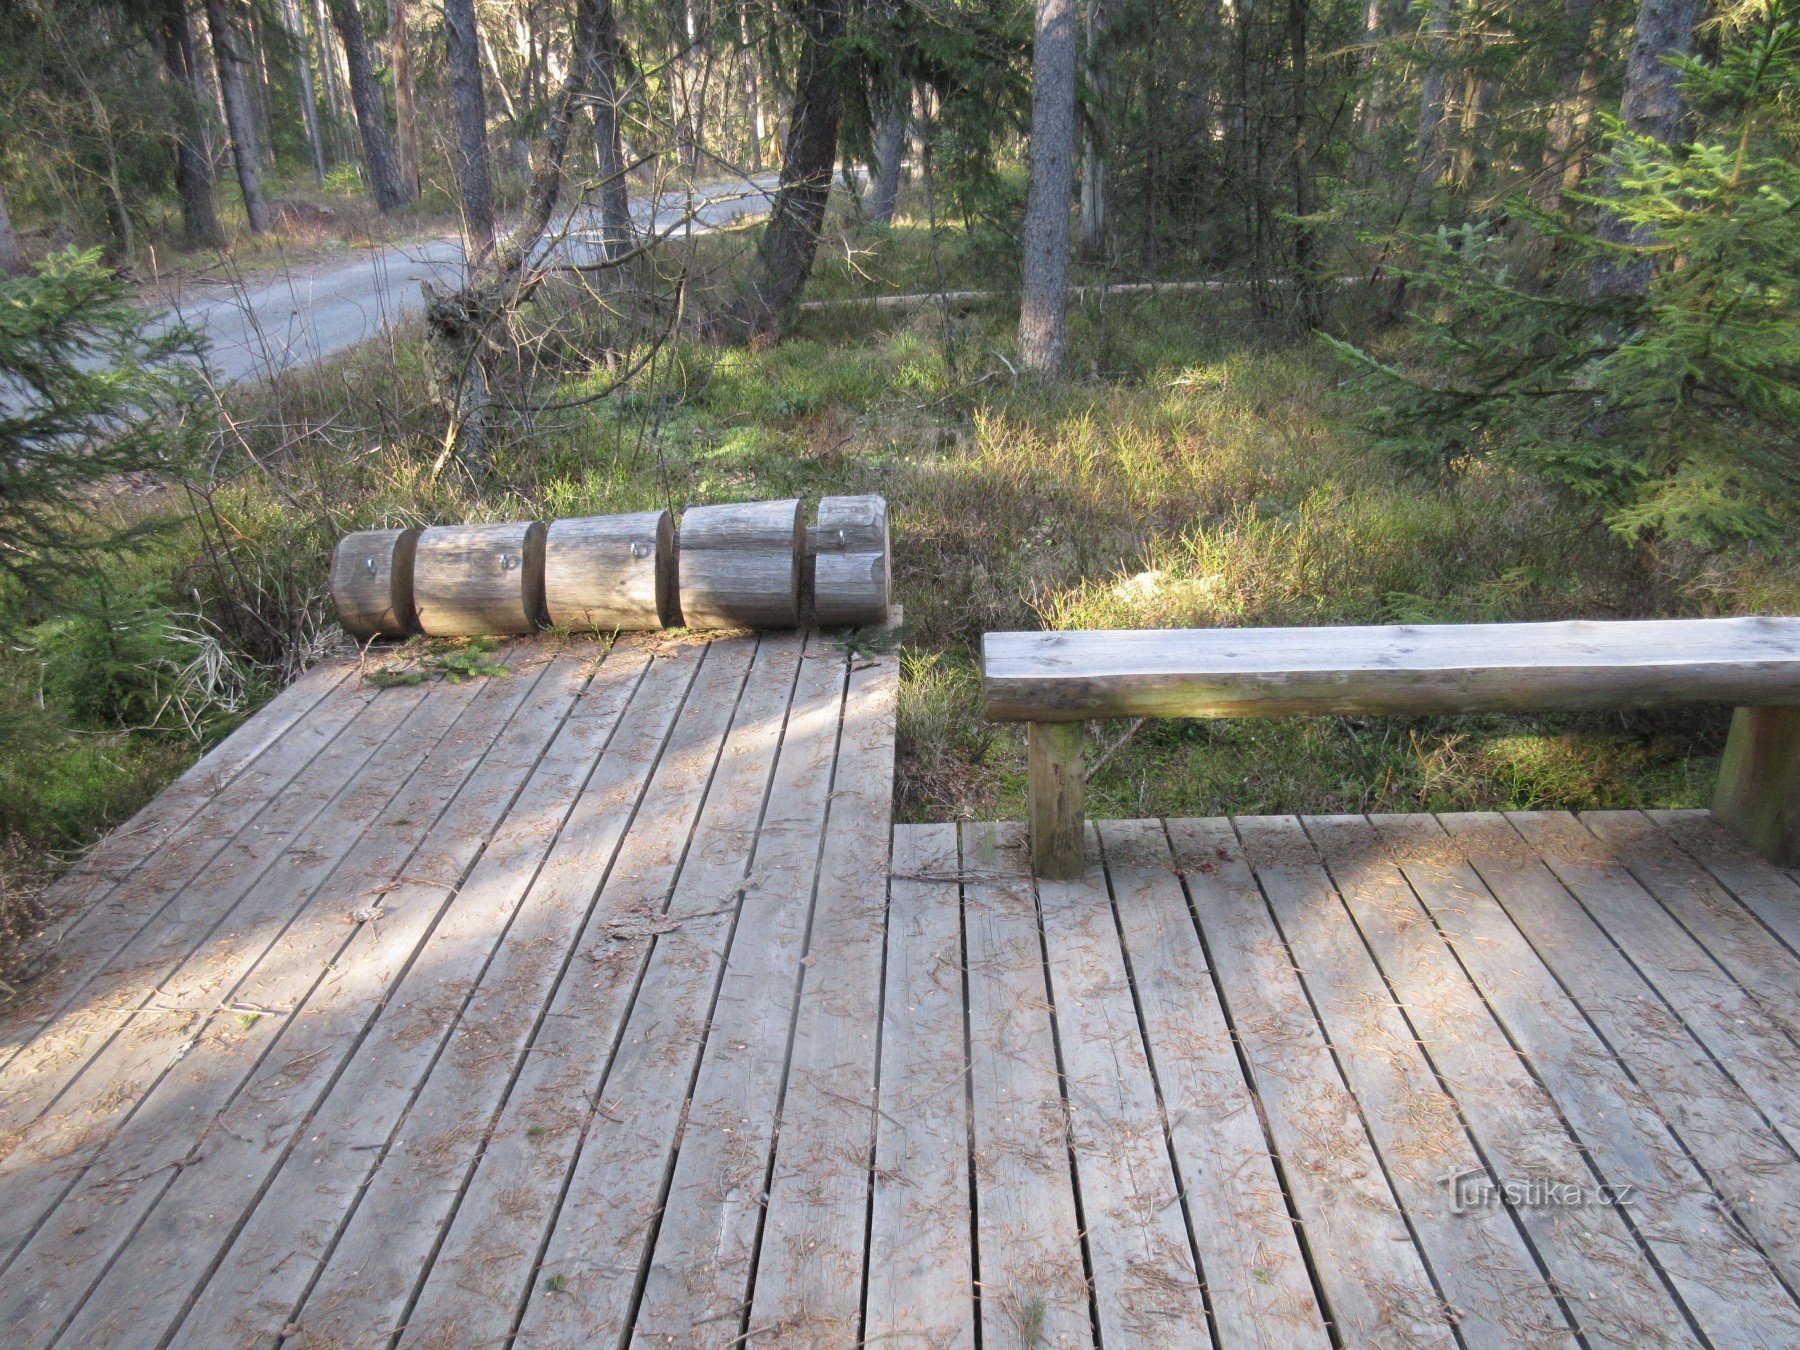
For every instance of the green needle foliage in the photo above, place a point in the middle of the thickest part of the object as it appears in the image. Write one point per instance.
(1677, 408)
(87, 394)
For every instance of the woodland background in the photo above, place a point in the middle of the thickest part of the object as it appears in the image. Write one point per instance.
(1215, 312)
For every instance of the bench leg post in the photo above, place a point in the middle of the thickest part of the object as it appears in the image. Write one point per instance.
(1056, 784)
(1758, 794)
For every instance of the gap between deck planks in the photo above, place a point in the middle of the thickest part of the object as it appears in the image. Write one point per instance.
(645, 1045)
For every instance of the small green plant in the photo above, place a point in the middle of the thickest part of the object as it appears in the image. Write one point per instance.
(1672, 401)
(451, 660)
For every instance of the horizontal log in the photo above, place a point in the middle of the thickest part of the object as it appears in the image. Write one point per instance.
(1405, 670)
(740, 565)
(372, 583)
(851, 562)
(606, 573)
(470, 580)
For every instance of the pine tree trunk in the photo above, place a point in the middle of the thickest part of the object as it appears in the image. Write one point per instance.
(790, 240)
(309, 103)
(474, 180)
(260, 89)
(406, 119)
(1044, 280)
(752, 91)
(1096, 167)
(1651, 107)
(193, 165)
(228, 57)
(10, 262)
(1439, 24)
(1572, 57)
(461, 324)
(891, 101)
(328, 76)
(371, 108)
(609, 146)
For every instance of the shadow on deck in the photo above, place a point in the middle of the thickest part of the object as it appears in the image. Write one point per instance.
(578, 1006)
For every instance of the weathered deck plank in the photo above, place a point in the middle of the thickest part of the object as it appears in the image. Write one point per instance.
(475, 1289)
(1479, 1256)
(809, 1270)
(207, 1208)
(272, 1004)
(1376, 1284)
(1147, 1284)
(1256, 1276)
(1726, 1284)
(1590, 1252)
(1034, 1279)
(649, 1041)
(921, 1261)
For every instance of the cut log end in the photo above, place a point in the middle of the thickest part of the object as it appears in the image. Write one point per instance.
(851, 567)
(372, 583)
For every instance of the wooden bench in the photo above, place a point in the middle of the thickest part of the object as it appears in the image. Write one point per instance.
(1056, 681)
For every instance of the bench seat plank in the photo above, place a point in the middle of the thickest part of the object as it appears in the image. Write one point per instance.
(1407, 670)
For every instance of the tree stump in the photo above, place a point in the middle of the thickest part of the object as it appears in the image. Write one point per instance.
(603, 573)
(477, 579)
(372, 583)
(740, 565)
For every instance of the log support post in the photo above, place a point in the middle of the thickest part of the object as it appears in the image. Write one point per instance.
(1758, 794)
(1056, 799)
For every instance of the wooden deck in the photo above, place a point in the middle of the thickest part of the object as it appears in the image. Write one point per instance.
(583, 1006)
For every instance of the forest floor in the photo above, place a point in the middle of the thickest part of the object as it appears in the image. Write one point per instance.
(1199, 466)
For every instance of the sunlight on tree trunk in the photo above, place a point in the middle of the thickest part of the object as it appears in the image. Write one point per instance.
(406, 115)
(193, 164)
(228, 58)
(371, 109)
(790, 239)
(1045, 267)
(309, 104)
(1096, 168)
(462, 48)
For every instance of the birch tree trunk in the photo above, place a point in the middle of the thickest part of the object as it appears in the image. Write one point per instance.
(1651, 107)
(228, 57)
(371, 108)
(474, 181)
(790, 239)
(193, 161)
(1045, 265)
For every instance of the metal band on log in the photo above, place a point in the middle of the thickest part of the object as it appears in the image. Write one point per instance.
(474, 579)
(611, 572)
(850, 563)
(372, 583)
(740, 565)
